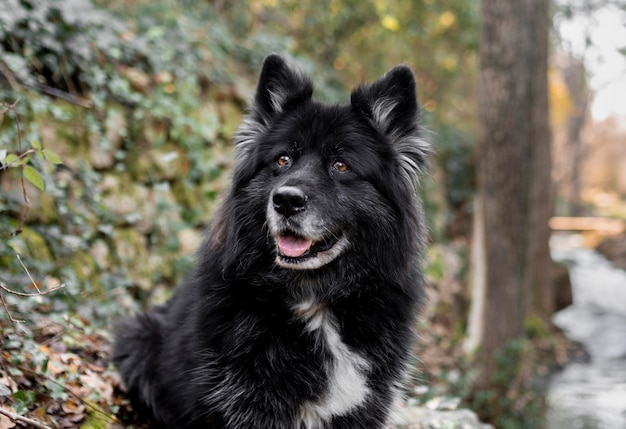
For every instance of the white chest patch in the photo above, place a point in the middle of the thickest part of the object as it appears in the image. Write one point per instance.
(347, 382)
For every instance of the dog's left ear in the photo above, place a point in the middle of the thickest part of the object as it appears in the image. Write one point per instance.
(280, 87)
(391, 103)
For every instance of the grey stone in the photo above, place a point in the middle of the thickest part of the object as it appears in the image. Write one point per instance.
(420, 417)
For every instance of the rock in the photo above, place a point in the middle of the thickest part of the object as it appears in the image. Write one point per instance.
(562, 287)
(41, 205)
(100, 156)
(130, 202)
(102, 150)
(86, 270)
(614, 249)
(168, 162)
(230, 117)
(416, 417)
(189, 240)
(138, 79)
(101, 254)
(130, 248)
(33, 244)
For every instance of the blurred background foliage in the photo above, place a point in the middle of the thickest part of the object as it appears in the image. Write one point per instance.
(140, 98)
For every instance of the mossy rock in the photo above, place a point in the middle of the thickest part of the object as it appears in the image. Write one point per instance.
(130, 248)
(46, 213)
(68, 139)
(164, 163)
(230, 118)
(131, 203)
(32, 244)
(101, 255)
(86, 270)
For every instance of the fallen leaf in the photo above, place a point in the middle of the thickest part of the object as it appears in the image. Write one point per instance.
(7, 384)
(71, 407)
(5, 422)
(93, 381)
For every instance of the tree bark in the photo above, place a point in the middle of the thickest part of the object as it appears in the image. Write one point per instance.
(510, 250)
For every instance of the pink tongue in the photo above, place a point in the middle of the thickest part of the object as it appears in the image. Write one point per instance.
(293, 246)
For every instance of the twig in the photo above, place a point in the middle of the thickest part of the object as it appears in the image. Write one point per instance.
(6, 308)
(20, 157)
(8, 74)
(34, 283)
(4, 287)
(54, 92)
(6, 107)
(17, 418)
(22, 181)
(39, 292)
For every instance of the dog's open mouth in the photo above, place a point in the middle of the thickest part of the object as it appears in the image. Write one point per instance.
(296, 251)
(295, 246)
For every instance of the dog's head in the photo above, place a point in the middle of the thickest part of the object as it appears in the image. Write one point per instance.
(333, 177)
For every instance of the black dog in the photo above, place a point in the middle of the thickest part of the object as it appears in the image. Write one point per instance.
(299, 313)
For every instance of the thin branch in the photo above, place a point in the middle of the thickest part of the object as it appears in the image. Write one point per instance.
(4, 287)
(8, 75)
(17, 418)
(33, 282)
(6, 107)
(6, 308)
(19, 158)
(54, 92)
(48, 90)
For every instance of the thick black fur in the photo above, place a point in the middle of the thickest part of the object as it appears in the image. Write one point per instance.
(249, 341)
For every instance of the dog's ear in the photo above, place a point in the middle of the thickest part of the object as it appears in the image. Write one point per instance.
(391, 103)
(280, 87)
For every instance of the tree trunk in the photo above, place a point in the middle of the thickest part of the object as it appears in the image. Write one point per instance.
(575, 80)
(510, 250)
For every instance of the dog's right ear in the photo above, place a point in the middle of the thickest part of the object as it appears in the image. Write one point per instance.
(280, 87)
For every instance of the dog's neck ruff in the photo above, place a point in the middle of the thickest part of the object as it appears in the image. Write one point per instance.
(347, 380)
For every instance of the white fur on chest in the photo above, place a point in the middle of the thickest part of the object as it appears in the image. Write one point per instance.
(347, 382)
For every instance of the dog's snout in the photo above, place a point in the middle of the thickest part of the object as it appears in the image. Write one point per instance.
(289, 200)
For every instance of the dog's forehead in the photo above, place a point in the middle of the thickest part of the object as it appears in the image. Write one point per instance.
(323, 127)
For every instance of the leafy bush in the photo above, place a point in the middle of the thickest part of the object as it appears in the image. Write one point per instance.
(134, 123)
(56, 44)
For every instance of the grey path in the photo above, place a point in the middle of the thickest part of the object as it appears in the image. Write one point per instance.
(591, 395)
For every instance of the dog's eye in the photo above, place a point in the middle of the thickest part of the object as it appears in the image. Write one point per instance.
(340, 166)
(283, 160)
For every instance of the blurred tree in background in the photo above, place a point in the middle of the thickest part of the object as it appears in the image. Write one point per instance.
(511, 259)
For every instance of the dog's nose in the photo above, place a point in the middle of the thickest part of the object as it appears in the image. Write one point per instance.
(289, 200)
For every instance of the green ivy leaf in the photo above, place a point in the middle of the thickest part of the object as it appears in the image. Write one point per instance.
(11, 159)
(34, 177)
(52, 156)
(22, 400)
(36, 144)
